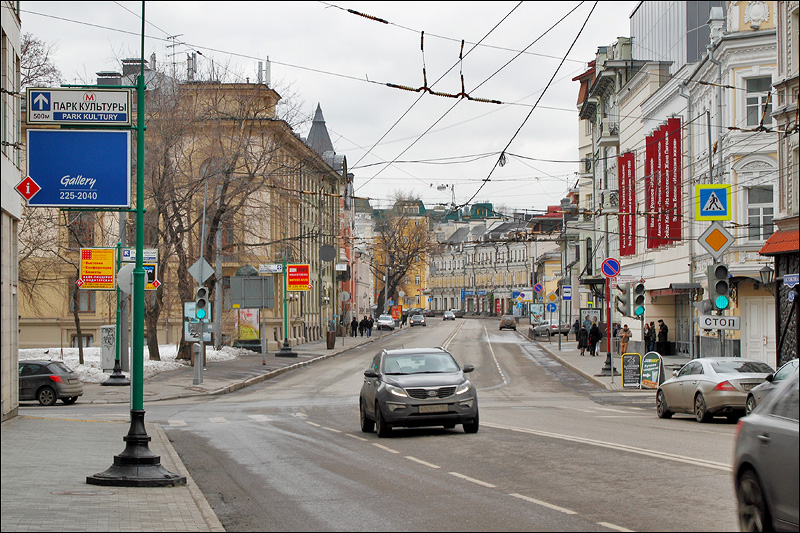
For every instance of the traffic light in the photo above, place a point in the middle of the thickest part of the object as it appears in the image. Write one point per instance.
(623, 301)
(719, 286)
(638, 299)
(201, 302)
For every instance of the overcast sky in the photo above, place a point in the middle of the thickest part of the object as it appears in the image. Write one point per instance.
(322, 54)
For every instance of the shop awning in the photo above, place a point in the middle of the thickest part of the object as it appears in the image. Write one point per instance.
(781, 242)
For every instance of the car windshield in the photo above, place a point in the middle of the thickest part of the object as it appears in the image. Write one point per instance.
(786, 371)
(385, 317)
(743, 367)
(419, 363)
(417, 317)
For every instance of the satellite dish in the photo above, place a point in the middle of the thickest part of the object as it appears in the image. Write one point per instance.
(327, 252)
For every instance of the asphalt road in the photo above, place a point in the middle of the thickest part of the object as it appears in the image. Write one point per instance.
(554, 452)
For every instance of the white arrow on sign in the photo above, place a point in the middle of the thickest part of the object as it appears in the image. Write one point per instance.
(41, 100)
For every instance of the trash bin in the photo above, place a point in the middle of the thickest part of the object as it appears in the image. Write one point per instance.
(330, 339)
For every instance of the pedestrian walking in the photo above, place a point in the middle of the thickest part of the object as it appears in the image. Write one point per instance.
(576, 327)
(362, 326)
(594, 337)
(583, 339)
(624, 336)
(370, 324)
(353, 327)
(649, 337)
(662, 347)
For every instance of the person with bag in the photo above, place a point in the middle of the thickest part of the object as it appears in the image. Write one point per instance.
(594, 337)
(583, 339)
(624, 336)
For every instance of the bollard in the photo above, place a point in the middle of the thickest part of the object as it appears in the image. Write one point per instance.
(198, 363)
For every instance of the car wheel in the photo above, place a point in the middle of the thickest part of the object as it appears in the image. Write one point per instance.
(472, 427)
(750, 404)
(753, 512)
(70, 400)
(367, 425)
(700, 411)
(661, 406)
(46, 396)
(381, 427)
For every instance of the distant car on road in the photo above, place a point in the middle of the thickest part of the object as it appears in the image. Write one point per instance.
(416, 387)
(508, 321)
(458, 312)
(765, 462)
(551, 327)
(417, 320)
(711, 386)
(385, 322)
(428, 313)
(760, 392)
(449, 315)
(48, 381)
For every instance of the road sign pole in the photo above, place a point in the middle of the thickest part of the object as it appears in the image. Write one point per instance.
(117, 378)
(137, 466)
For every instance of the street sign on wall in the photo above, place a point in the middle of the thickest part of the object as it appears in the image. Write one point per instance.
(80, 168)
(73, 106)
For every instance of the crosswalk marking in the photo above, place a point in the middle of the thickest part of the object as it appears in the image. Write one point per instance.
(177, 423)
(217, 419)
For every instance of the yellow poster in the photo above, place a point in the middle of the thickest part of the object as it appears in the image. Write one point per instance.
(98, 270)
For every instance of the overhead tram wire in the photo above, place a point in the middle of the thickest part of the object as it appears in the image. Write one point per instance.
(479, 85)
(502, 155)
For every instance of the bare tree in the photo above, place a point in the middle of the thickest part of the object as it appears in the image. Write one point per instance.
(402, 241)
(37, 68)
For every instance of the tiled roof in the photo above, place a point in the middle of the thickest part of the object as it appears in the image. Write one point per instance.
(781, 242)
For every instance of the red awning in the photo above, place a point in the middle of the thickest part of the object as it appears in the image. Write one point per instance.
(781, 242)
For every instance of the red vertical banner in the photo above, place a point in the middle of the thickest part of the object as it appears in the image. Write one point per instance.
(674, 219)
(660, 173)
(650, 190)
(626, 165)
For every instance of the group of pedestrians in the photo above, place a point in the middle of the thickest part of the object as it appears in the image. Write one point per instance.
(588, 334)
(365, 326)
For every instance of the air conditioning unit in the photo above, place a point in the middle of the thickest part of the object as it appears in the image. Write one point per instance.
(609, 200)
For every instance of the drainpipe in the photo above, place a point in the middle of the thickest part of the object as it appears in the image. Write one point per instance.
(720, 117)
(683, 94)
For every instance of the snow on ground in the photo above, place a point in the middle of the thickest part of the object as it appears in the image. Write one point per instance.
(91, 371)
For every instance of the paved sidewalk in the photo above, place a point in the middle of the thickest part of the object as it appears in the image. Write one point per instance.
(45, 460)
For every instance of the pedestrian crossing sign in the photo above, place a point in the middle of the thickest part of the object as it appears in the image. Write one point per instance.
(713, 202)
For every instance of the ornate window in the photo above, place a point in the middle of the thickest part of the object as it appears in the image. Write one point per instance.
(758, 102)
(760, 211)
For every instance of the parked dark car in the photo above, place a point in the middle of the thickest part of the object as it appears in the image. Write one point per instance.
(411, 311)
(458, 312)
(414, 387)
(428, 313)
(48, 381)
(759, 393)
(765, 465)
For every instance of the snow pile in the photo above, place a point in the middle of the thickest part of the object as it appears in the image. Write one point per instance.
(92, 369)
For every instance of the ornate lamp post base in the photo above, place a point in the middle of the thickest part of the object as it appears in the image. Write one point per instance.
(136, 466)
(286, 350)
(117, 378)
(606, 371)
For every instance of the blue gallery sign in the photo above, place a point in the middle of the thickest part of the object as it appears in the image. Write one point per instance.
(80, 168)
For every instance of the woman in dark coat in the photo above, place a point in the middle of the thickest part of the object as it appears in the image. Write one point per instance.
(583, 339)
(594, 337)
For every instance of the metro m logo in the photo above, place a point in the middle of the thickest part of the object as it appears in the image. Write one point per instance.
(89, 97)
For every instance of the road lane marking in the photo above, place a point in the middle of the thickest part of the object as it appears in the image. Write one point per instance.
(362, 439)
(382, 447)
(177, 423)
(496, 363)
(420, 461)
(217, 419)
(544, 504)
(619, 447)
(576, 409)
(452, 335)
(331, 429)
(473, 480)
(612, 526)
(612, 410)
(310, 423)
(260, 418)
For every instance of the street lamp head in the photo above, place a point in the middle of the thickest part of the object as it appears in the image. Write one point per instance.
(767, 275)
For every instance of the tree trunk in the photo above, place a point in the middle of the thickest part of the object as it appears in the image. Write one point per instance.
(76, 315)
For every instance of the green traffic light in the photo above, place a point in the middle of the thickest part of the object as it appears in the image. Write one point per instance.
(722, 302)
(200, 313)
(639, 311)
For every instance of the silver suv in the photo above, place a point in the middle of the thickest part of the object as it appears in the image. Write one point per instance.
(385, 322)
(414, 387)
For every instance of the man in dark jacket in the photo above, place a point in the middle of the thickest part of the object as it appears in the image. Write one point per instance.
(594, 337)
(662, 346)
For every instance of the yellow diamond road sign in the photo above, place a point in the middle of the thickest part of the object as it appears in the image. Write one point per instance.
(716, 240)
(552, 297)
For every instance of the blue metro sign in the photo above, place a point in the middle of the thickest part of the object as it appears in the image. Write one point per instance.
(80, 168)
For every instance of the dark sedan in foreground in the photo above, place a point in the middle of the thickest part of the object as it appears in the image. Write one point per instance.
(765, 465)
(415, 387)
(711, 386)
(47, 382)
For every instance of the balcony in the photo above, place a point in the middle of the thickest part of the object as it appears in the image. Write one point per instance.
(609, 133)
(609, 200)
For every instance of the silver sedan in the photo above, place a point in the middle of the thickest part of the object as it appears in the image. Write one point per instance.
(711, 386)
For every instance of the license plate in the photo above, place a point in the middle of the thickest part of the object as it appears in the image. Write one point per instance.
(438, 408)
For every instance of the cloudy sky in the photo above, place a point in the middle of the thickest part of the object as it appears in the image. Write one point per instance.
(394, 139)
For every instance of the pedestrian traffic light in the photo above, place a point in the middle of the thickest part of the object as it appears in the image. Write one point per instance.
(719, 286)
(638, 299)
(622, 301)
(201, 302)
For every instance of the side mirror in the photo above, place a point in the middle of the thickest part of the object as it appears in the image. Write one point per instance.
(675, 373)
(467, 369)
(369, 373)
(770, 377)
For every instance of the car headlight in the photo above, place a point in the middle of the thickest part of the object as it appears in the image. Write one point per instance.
(464, 387)
(397, 391)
